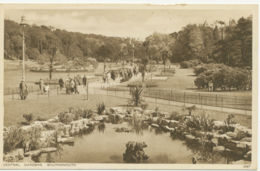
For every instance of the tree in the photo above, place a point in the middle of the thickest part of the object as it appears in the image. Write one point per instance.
(166, 53)
(52, 41)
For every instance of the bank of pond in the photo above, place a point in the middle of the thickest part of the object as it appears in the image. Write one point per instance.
(128, 135)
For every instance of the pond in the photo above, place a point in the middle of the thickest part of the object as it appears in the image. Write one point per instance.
(105, 145)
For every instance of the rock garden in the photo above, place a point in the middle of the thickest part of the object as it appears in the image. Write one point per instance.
(204, 136)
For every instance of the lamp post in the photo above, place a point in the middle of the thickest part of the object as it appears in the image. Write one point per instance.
(133, 52)
(23, 24)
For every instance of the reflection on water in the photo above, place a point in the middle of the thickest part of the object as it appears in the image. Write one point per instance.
(105, 145)
(101, 127)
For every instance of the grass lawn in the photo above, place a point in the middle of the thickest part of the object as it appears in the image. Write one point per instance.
(49, 107)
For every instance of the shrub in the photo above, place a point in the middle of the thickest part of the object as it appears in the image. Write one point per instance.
(28, 118)
(144, 106)
(12, 138)
(230, 120)
(147, 84)
(136, 95)
(101, 108)
(134, 152)
(175, 116)
(223, 77)
(200, 122)
(189, 64)
(65, 117)
(190, 109)
(87, 113)
(31, 139)
(39, 118)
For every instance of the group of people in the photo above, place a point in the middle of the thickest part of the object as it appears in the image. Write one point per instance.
(71, 84)
(44, 87)
(123, 74)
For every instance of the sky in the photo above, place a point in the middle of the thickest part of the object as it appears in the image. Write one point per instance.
(134, 23)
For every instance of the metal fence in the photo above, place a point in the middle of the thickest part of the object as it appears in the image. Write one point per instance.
(207, 99)
(224, 101)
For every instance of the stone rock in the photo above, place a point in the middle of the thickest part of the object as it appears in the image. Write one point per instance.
(137, 109)
(98, 118)
(215, 141)
(148, 112)
(66, 140)
(241, 162)
(155, 120)
(246, 139)
(165, 122)
(47, 137)
(34, 153)
(219, 149)
(233, 135)
(66, 130)
(48, 149)
(190, 137)
(155, 125)
(173, 123)
(119, 110)
(248, 156)
(27, 160)
(244, 145)
(218, 124)
(14, 156)
(224, 136)
(169, 129)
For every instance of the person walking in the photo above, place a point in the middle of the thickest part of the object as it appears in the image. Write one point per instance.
(84, 80)
(23, 90)
(41, 85)
(61, 83)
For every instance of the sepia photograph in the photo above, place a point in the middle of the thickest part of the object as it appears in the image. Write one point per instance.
(130, 85)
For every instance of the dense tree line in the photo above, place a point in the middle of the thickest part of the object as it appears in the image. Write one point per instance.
(230, 44)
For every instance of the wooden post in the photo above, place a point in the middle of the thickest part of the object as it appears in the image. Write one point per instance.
(184, 98)
(87, 90)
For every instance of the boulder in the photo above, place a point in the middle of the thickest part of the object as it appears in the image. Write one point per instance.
(98, 118)
(246, 139)
(34, 153)
(173, 123)
(241, 162)
(27, 160)
(155, 125)
(248, 156)
(190, 137)
(244, 145)
(48, 149)
(165, 122)
(215, 141)
(148, 112)
(47, 138)
(167, 128)
(137, 109)
(14, 156)
(118, 110)
(155, 120)
(219, 149)
(66, 140)
(218, 124)
(233, 135)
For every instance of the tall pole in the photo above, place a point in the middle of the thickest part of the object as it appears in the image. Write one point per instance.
(23, 26)
(133, 53)
(23, 76)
